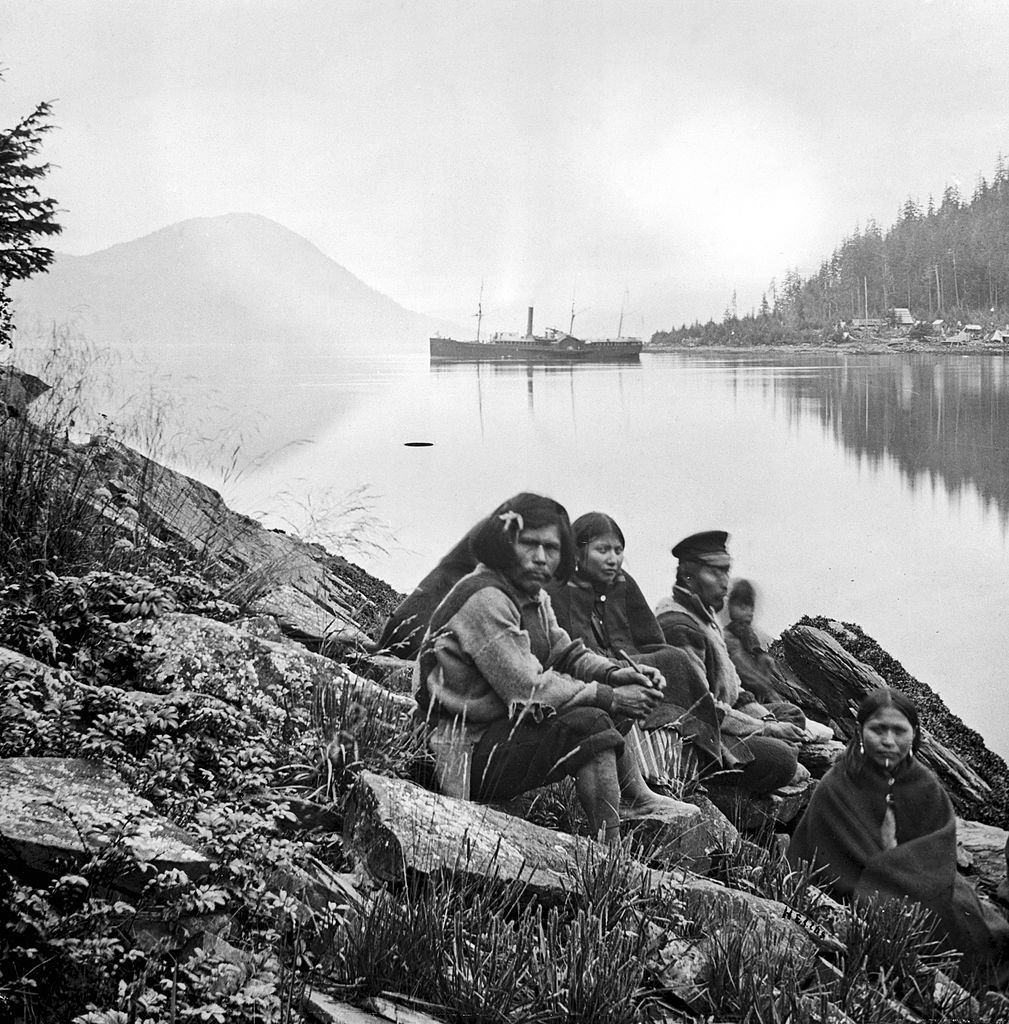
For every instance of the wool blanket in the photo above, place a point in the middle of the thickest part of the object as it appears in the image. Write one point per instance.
(618, 621)
(841, 833)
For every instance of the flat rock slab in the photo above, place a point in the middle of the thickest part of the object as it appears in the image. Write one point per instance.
(725, 833)
(394, 673)
(326, 1010)
(388, 1010)
(56, 809)
(754, 812)
(396, 828)
(687, 834)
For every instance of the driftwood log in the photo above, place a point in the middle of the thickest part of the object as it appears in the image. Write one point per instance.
(830, 677)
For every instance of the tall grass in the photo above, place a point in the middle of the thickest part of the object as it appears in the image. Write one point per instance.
(50, 517)
(62, 507)
(344, 522)
(360, 725)
(56, 515)
(481, 950)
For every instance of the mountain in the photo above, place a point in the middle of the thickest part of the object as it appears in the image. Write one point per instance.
(213, 343)
(235, 281)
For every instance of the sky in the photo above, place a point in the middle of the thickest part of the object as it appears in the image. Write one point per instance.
(653, 153)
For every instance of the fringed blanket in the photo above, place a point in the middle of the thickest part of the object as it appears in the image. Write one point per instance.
(841, 832)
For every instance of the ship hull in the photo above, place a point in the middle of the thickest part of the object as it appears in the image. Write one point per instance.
(567, 351)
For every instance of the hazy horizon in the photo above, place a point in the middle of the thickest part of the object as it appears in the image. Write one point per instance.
(675, 152)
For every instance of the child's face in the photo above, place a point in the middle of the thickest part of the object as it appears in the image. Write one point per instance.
(741, 612)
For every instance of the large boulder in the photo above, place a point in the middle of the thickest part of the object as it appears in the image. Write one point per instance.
(287, 690)
(243, 664)
(56, 812)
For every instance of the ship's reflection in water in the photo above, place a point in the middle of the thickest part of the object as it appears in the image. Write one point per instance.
(487, 373)
(871, 489)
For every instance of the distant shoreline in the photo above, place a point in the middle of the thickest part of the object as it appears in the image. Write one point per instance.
(849, 348)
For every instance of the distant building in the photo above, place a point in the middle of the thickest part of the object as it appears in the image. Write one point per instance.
(902, 318)
(966, 334)
(870, 322)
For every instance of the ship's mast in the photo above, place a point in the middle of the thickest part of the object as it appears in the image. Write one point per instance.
(620, 325)
(479, 311)
(574, 313)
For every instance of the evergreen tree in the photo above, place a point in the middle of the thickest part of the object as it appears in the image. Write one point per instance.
(27, 217)
(950, 199)
(1001, 172)
(950, 261)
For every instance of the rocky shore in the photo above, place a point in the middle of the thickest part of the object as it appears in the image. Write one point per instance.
(212, 808)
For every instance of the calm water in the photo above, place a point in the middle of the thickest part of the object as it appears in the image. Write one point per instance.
(873, 489)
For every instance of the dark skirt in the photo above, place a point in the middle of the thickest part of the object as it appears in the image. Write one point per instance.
(513, 757)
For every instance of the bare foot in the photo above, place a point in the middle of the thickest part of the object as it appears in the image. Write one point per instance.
(651, 806)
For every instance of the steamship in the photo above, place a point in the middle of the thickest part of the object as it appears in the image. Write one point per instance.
(555, 346)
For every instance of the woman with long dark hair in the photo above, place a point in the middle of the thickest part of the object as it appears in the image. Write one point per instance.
(879, 823)
(512, 701)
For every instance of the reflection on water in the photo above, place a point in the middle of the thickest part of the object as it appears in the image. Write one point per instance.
(870, 489)
(941, 418)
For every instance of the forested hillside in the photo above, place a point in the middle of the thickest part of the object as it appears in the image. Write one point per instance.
(948, 261)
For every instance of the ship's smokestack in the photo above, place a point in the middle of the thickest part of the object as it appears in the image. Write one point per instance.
(529, 323)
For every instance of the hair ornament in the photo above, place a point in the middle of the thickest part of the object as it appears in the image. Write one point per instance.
(512, 519)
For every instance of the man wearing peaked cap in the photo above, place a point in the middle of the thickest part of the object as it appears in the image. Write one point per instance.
(707, 547)
(762, 747)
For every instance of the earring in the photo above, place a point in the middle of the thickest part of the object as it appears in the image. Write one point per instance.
(861, 746)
